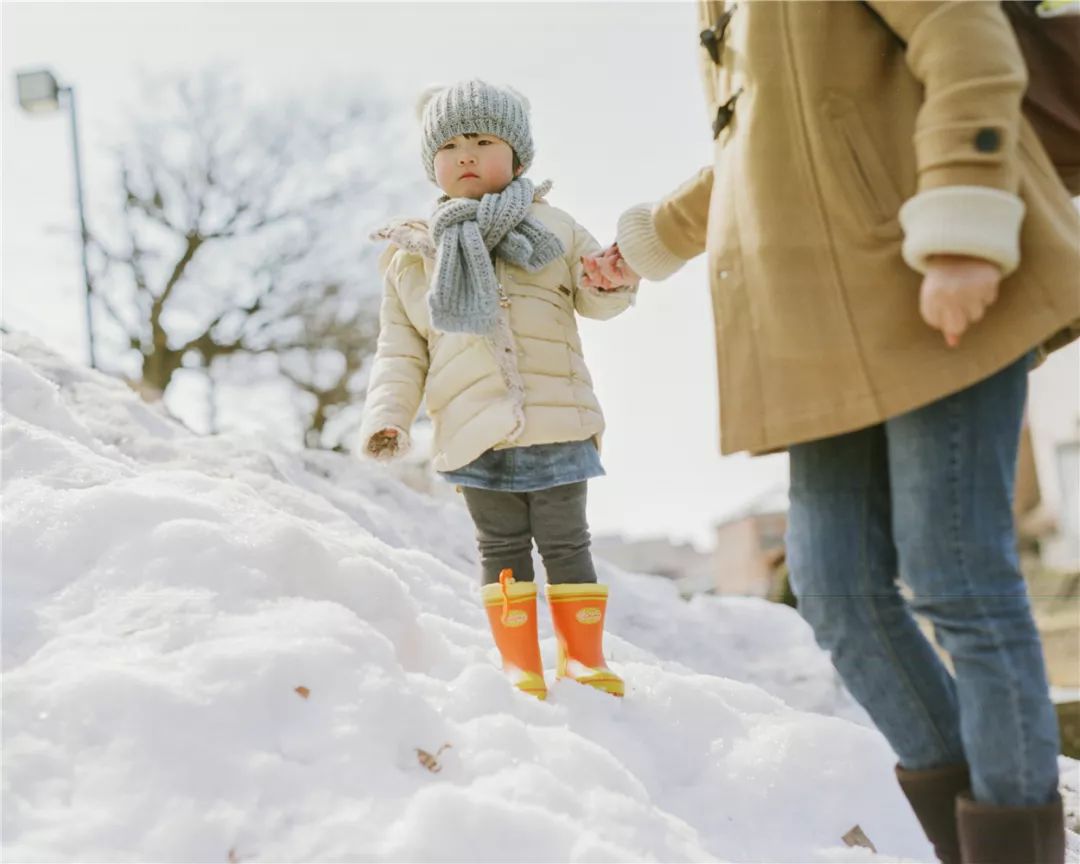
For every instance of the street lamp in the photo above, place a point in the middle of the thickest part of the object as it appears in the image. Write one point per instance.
(39, 93)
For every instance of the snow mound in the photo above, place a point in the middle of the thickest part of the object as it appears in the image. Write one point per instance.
(218, 650)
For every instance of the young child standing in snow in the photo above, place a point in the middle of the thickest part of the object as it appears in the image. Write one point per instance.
(478, 318)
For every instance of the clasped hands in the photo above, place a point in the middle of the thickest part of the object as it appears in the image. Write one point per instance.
(608, 270)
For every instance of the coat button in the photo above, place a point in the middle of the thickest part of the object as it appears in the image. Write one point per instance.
(987, 140)
(723, 115)
(713, 37)
(709, 43)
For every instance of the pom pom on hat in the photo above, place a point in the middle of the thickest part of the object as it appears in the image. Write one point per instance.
(426, 95)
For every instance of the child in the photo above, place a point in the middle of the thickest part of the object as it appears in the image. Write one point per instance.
(478, 318)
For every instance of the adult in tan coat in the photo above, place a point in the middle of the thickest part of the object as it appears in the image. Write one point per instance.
(889, 247)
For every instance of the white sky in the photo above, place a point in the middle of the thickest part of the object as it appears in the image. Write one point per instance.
(618, 118)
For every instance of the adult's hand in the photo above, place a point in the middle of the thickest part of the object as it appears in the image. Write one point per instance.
(956, 292)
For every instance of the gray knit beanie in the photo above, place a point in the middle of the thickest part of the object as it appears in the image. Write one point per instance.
(474, 106)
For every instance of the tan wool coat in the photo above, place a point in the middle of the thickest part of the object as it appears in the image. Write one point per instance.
(525, 384)
(845, 163)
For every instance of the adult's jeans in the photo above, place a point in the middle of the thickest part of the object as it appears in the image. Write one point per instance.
(926, 498)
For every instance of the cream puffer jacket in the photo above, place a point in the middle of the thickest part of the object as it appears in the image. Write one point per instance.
(525, 384)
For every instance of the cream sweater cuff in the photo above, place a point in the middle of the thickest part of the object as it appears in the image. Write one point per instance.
(642, 247)
(962, 220)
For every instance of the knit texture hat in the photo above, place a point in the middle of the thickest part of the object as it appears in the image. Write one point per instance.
(474, 106)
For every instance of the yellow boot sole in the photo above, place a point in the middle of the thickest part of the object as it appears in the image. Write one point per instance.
(532, 684)
(609, 682)
(601, 679)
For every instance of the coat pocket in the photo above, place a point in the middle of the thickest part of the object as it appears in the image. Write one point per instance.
(859, 164)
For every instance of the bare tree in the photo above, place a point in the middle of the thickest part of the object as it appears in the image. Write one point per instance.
(241, 233)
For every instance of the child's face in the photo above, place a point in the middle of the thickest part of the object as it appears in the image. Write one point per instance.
(471, 166)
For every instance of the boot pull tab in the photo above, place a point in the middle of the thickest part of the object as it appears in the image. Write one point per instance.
(506, 578)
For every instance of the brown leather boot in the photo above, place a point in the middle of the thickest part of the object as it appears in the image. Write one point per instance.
(932, 793)
(990, 834)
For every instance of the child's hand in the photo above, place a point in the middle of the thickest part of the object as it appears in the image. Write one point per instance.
(956, 292)
(593, 274)
(383, 443)
(608, 271)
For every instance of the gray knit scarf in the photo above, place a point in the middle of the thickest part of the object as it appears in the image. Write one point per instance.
(464, 295)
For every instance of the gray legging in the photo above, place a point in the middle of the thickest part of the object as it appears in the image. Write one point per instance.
(507, 522)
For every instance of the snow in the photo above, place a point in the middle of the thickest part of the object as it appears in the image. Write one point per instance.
(166, 594)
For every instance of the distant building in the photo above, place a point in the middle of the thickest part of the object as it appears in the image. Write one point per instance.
(745, 559)
(1053, 420)
(748, 552)
(658, 556)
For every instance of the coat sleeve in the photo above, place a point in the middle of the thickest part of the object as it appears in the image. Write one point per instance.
(967, 131)
(396, 386)
(657, 239)
(591, 302)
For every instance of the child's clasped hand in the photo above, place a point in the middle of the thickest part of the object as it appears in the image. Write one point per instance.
(608, 271)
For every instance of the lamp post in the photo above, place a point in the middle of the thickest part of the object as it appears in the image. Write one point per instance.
(39, 93)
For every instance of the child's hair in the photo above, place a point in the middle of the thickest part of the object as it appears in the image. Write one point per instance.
(474, 107)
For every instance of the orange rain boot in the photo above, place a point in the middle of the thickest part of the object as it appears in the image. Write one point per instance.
(511, 609)
(577, 613)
